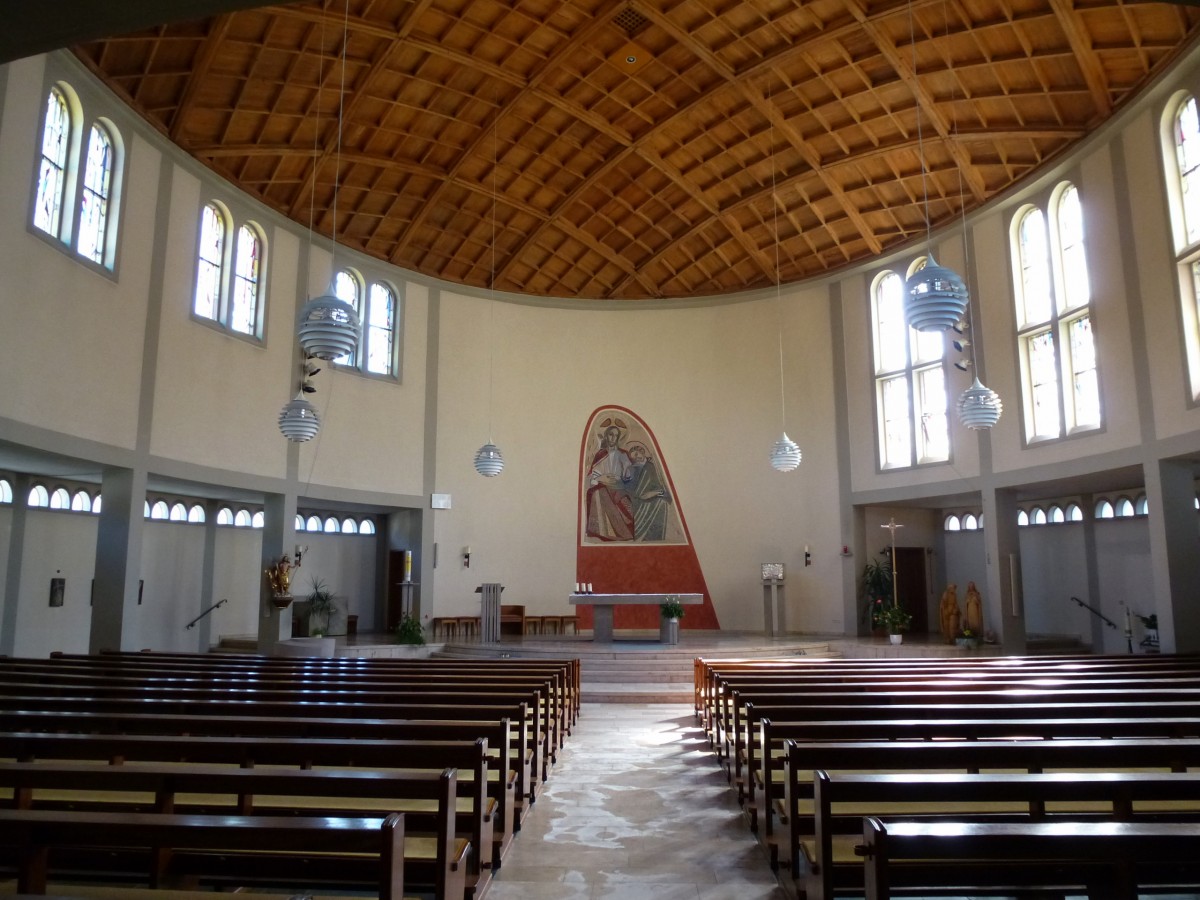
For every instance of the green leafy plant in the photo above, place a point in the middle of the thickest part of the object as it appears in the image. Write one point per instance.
(671, 608)
(877, 587)
(322, 604)
(409, 631)
(895, 618)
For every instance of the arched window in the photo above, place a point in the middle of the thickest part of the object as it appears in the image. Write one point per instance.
(381, 330)
(1060, 388)
(224, 516)
(1057, 516)
(81, 502)
(96, 194)
(952, 524)
(52, 170)
(1187, 158)
(313, 524)
(299, 523)
(196, 514)
(1022, 518)
(1104, 510)
(331, 525)
(6, 494)
(347, 285)
(257, 520)
(60, 499)
(1074, 513)
(146, 510)
(210, 263)
(970, 523)
(910, 382)
(1141, 506)
(243, 313)
(178, 512)
(159, 510)
(96, 502)
(1124, 508)
(242, 518)
(1039, 516)
(38, 497)
(366, 526)
(349, 526)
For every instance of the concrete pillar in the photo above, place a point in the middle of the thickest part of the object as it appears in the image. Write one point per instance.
(1174, 562)
(118, 557)
(16, 555)
(278, 538)
(1004, 610)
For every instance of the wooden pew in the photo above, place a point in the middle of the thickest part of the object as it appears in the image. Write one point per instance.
(842, 799)
(526, 755)
(359, 851)
(1111, 859)
(545, 717)
(440, 860)
(1037, 721)
(494, 826)
(469, 758)
(804, 758)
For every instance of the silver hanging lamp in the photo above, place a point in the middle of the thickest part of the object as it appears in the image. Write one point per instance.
(298, 420)
(489, 461)
(979, 407)
(936, 297)
(785, 454)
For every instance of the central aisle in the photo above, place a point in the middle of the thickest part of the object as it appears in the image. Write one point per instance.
(637, 807)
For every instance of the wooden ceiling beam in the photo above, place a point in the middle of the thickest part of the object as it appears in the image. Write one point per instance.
(200, 70)
(1085, 55)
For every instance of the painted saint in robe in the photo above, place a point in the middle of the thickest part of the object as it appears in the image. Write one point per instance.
(651, 501)
(609, 504)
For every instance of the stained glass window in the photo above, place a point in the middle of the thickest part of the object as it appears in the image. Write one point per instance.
(347, 287)
(243, 314)
(52, 172)
(1187, 153)
(381, 330)
(211, 263)
(93, 206)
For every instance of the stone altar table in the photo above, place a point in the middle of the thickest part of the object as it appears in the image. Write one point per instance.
(602, 607)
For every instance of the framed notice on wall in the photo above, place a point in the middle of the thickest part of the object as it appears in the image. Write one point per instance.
(772, 571)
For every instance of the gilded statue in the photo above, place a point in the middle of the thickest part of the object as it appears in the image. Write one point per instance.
(949, 614)
(279, 576)
(974, 611)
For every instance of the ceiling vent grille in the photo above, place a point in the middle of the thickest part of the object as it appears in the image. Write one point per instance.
(630, 21)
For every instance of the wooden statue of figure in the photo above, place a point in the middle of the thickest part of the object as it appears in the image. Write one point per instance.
(279, 576)
(949, 614)
(974, 611)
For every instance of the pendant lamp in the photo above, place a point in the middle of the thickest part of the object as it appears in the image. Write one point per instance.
(489, 461)
(979, 407)
(298, 420)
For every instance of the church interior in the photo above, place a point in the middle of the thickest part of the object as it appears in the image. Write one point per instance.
(701, 388)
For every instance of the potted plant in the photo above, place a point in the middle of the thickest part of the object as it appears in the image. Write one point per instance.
(896, 620)
(671, 608)
(967, 638)
(409, 630)
(877, 588)
(322, 604)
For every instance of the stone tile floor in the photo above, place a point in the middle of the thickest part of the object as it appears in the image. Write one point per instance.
(637, 807)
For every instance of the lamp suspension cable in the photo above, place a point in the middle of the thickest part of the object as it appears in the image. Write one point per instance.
(489, 461)
(330, 328)
(785, 454)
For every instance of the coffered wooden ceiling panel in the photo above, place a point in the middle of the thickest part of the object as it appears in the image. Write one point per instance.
(595, 149)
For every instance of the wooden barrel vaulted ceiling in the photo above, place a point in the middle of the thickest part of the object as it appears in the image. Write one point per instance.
(612, 150)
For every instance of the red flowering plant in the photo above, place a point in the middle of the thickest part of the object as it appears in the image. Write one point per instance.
(877, 588)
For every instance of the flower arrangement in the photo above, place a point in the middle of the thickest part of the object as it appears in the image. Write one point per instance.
(895, 618)
(671, 607)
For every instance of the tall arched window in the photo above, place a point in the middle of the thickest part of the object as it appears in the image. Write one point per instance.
(1182, 157)
(243, 312)
(1060, 388)
(97, 191)
(910, 383)
(381, 330)
(348, 286)
(52, 170)
(210, 263)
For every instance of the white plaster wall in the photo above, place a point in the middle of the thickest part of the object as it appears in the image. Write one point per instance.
(57, 545)
(217, 397)
(705, 380)
(172, 572)
(74, 335)
(1054, 569)
(1123, 564)
(237, 576)
(346, 563)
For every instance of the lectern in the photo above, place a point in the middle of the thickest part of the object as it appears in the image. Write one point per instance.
(774, 604)
(489, 614)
